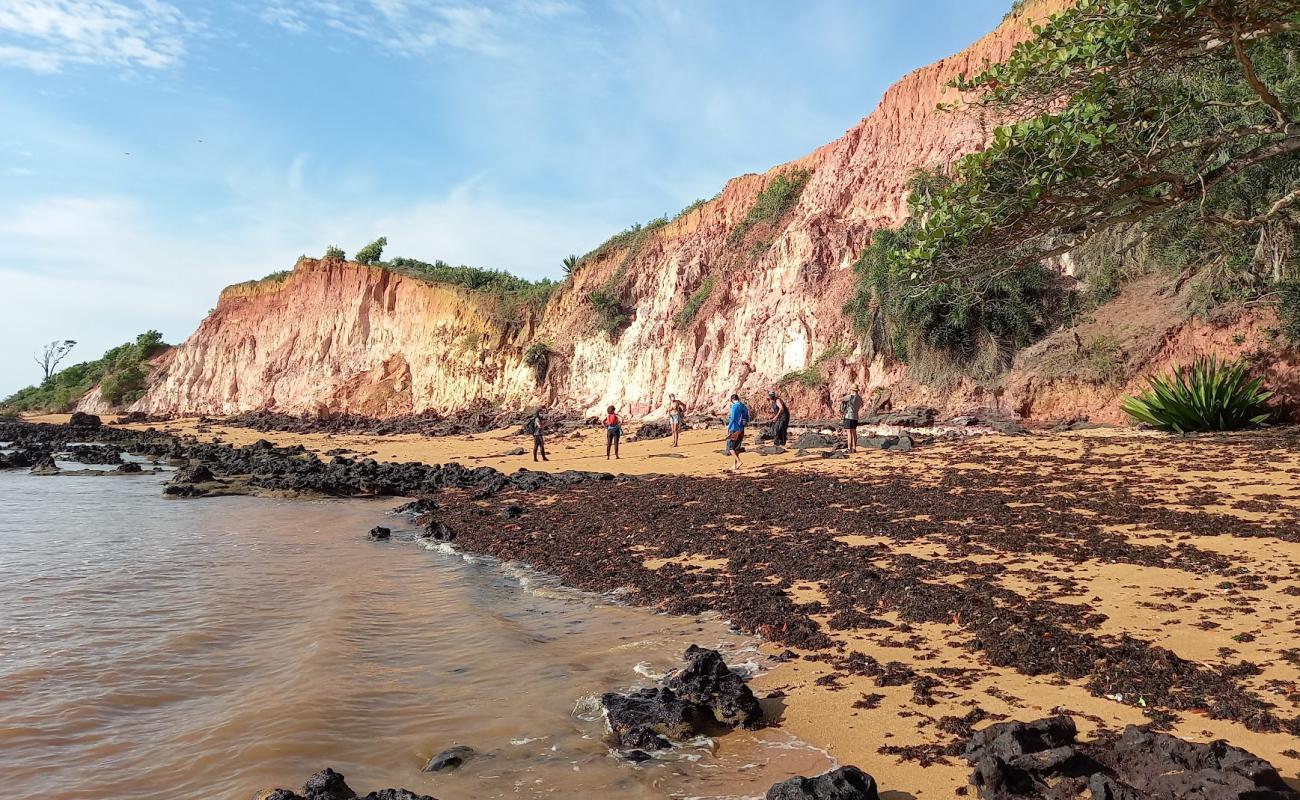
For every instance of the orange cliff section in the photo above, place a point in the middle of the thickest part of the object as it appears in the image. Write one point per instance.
(341, 337)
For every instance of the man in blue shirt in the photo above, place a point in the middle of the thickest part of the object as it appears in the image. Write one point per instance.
(736, 429)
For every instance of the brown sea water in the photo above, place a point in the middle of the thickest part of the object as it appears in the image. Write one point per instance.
(211, 648)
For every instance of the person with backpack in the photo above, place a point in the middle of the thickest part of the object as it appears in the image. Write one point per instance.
(780, 419)
(536, 425)
(676, 416)
(613, 431)
(850, 406)
(736, 423)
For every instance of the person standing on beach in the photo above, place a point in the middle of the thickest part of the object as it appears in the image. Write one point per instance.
(536, 426)
(676, 416)
(613, 432)
(736, 423)
(780, 419)
(850, 406)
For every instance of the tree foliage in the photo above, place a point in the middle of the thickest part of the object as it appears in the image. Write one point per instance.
(52, 354)
(333, 253)
(1173, 119)
(1126, 110)
(120, 373)
(372, 253)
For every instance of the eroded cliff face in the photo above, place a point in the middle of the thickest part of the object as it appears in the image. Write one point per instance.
(343, 337)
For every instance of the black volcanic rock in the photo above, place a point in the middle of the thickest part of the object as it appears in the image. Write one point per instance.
(84, 421)
(845, 783)
(646, 718)
(707, 680)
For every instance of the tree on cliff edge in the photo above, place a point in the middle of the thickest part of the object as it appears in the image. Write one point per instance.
(373, 252)
(1175, 120)
(52, 354)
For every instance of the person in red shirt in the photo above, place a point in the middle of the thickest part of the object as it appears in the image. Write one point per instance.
(613, 432)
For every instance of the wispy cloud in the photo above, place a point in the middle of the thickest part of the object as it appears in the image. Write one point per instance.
(48, 35)
(416, 27)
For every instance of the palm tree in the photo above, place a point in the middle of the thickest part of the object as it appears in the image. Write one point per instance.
(570, 266)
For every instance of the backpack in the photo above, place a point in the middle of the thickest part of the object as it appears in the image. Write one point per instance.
(530, 427)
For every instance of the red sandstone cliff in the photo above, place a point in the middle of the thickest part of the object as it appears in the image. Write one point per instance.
(344, 337)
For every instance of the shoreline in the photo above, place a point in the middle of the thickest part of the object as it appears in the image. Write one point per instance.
(1140, 531)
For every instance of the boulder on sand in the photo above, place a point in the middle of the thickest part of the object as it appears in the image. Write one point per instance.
(812, 440)
(707, 680)
(1041, 760)
(379, 534)
(654, 430)
(83, 421)
(845, 783)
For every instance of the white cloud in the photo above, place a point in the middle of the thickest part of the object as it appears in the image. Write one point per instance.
(48, 35)
(416, 27)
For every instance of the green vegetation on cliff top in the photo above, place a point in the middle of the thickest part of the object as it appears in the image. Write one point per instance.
(122, 371)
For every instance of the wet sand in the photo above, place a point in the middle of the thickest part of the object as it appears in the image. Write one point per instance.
(991, 577)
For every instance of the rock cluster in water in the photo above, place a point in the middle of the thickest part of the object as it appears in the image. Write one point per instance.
(700, 698)
(329, 785)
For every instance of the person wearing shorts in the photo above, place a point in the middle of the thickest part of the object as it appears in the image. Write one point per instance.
(850, 407)
(613, 432)
(676, 416)
(736, 423)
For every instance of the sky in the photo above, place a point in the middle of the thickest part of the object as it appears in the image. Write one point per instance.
(154, 152)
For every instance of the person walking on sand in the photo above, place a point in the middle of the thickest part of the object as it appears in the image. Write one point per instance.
(536, 426)
(676, 416)
(850, 406)
(736, 423)
(613, 432)
(780, 419)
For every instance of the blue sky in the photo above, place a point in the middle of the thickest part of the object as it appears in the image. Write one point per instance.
(154, 152)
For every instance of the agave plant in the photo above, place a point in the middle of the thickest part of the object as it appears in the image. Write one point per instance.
(1207, 396)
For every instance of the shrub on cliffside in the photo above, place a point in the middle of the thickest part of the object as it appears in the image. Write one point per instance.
(333, 253)
(120, 372)
(538, 356)
(929, 325)
(1172, 120)
(610, 316)
(778, 196)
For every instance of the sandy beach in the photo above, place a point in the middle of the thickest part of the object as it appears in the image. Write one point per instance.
(1120, 576)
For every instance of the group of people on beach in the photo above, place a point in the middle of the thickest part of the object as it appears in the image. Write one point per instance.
(738, 419)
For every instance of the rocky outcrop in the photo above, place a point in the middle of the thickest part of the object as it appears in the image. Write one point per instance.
(337, 336)
(1041, 759)
(845, 783)
(702, 697)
